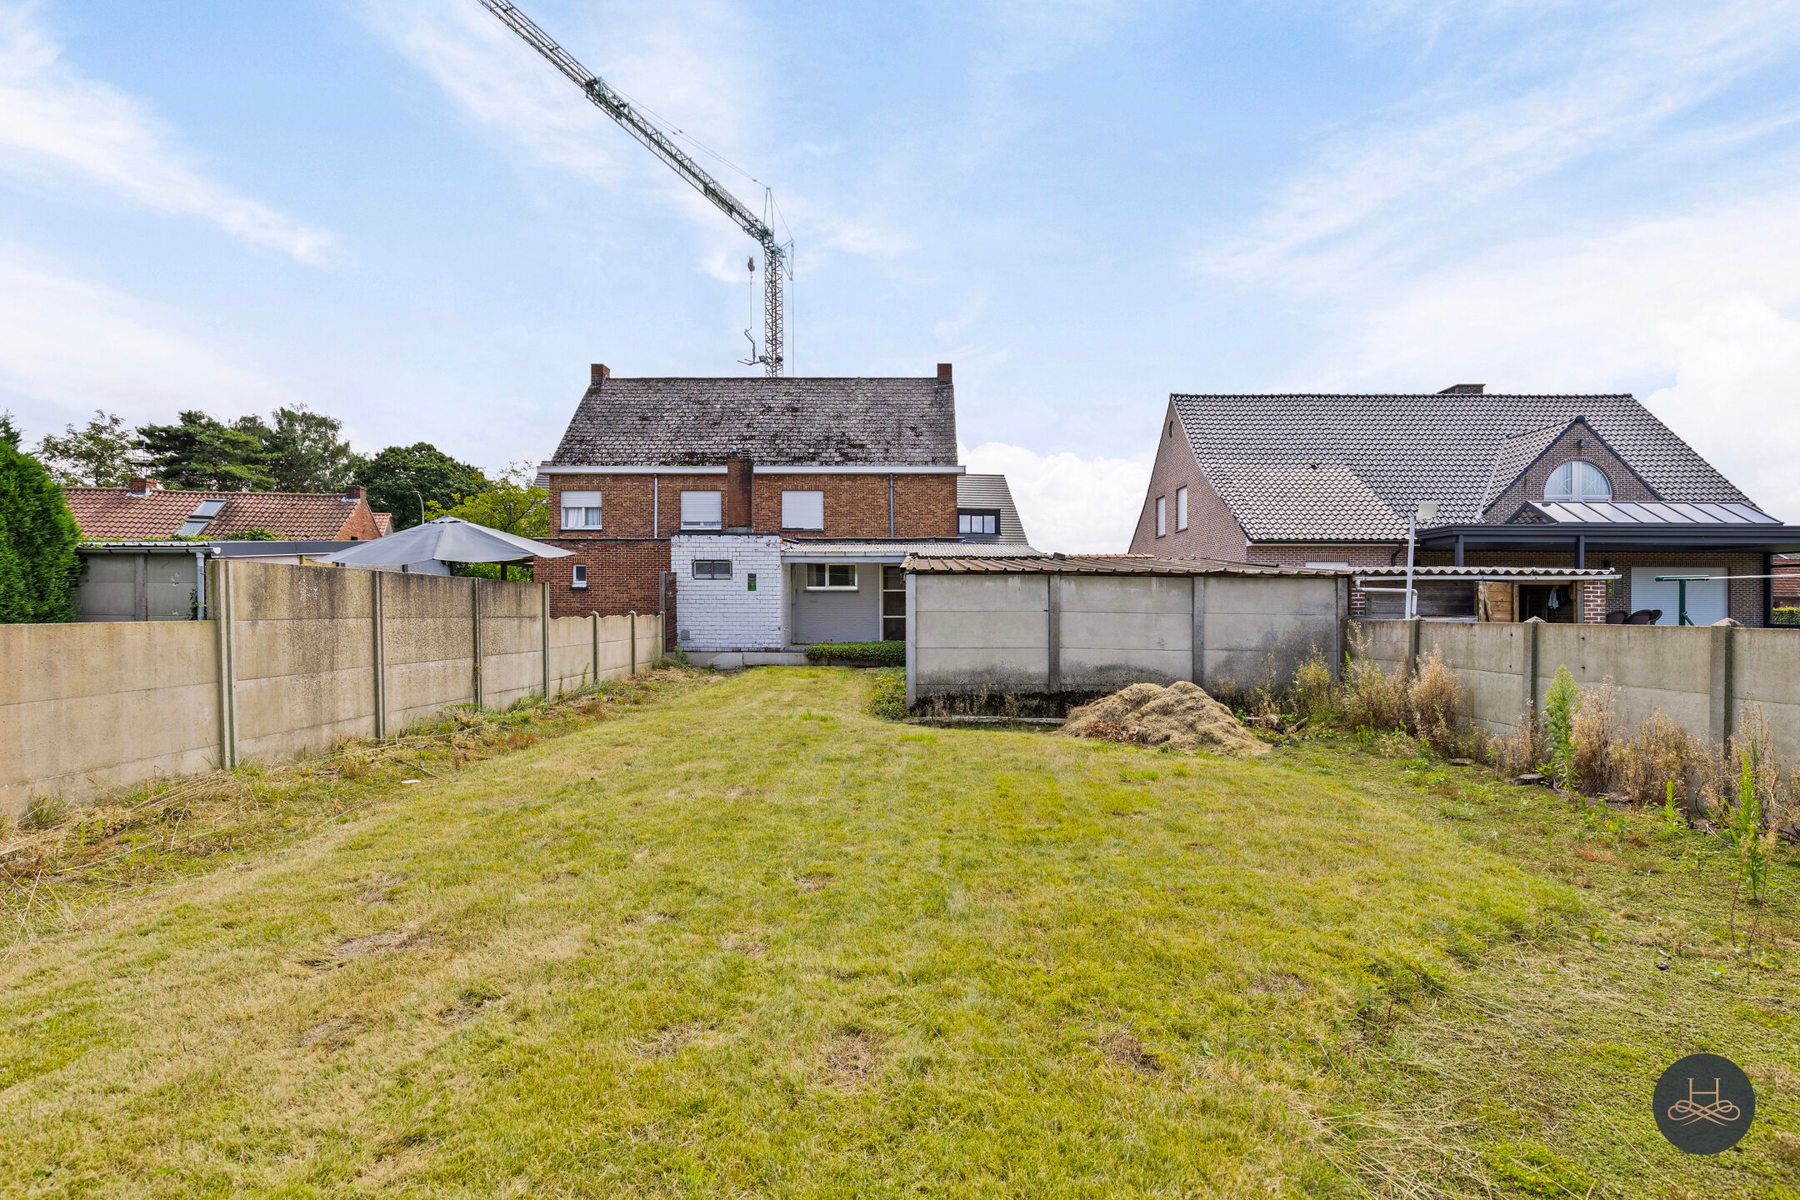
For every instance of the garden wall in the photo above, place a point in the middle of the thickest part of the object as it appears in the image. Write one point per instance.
(1702, 679)
(294, 659)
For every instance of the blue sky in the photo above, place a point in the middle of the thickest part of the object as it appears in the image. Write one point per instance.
(394, 212)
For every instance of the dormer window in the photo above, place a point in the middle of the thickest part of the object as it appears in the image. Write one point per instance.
(1578, 481)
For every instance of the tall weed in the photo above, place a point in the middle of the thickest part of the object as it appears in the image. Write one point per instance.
(1595, 734)
(1561, 703)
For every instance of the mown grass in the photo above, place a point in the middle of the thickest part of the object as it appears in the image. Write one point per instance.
(750, 939)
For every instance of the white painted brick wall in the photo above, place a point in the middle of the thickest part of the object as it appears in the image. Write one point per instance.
(724, 614)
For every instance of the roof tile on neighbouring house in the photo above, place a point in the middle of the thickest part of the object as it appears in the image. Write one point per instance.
(1404, 448)
(112, 513)
(813, 421)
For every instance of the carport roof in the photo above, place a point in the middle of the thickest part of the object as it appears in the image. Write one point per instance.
(1098, 564)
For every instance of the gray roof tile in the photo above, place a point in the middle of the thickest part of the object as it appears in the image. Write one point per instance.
(1403, 448)
(818, 421)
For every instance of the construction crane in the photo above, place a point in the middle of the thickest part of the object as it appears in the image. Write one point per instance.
(776, 256)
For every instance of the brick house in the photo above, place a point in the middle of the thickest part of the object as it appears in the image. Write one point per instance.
(145, 510)
(1564, 507)
(763, 514)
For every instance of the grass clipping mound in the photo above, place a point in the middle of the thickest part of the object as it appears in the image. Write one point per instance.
(1180, 716)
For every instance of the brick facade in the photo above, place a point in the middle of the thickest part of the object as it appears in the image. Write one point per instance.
(856, 506)
(1577, 443)
(724, 614)
(1212, 532)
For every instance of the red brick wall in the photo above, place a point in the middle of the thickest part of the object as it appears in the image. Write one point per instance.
(1577, 442)
(622, 577)
(1212, 531)
(359, 524)
(856, 506)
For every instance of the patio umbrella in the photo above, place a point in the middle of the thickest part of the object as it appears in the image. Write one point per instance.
(445, 539)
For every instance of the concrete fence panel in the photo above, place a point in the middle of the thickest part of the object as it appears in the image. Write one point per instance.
(293, 660)
(1490, 659)
(1656, 669)
(1767, 675)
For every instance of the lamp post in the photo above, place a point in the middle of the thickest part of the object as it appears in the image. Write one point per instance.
(1426, 511)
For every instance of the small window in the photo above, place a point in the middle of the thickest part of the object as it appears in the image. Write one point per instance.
(700, 510)
(1162, 515)
(1578, 481)
(803, 510)
(893, 604)
(578, 576)
(830, 577)
(712, 568)
(581, 510)
(1180, 508)
(978, 522)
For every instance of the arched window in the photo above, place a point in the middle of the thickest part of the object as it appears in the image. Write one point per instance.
(1578, 480)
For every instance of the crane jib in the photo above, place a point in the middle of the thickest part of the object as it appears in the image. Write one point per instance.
(658, 142)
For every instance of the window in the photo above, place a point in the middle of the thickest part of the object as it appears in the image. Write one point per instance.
(893, 604)
(803, 510)
(1180, 508)
(1162, 515)
(581, 510)
(978, 522)
(203, 513)
(830, 577)
(1578, 480)
(700, 510)
(712, 568)
(578, 576)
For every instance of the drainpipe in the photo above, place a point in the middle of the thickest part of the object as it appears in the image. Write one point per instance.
(199, 585)
(890, 505)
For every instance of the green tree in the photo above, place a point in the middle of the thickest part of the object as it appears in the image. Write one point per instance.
(511, 504)
(9, 431)
(38, 564)
(400, 477)
(200, 452)
(97, 454)
(302, 452)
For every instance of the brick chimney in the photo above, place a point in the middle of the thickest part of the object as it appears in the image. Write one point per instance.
(736, 514)
(597, 372)
(140, 486)
(943, 372)
(355, 492)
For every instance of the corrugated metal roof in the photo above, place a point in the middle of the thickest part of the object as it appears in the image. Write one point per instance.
(1560, 574)
(803, 547)
(1097, 564)
(991, 491)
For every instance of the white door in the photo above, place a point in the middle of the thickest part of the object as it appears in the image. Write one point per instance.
(1705, 601)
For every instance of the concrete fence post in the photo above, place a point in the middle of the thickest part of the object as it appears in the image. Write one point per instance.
(1341, 630)
(1410, 668)
(378, 626)
(475, 680)
(1197, 652)
(1722, 689)
(1053, 601)
(594, 637)
(1528, 668)
(544, 633)
(222, 606)
(632, 637)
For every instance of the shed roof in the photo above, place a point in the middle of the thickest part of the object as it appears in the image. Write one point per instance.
(1097, 564)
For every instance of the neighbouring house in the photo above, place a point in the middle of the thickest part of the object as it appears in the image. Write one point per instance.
(1563, 507)
(145, 547)
(762, 514)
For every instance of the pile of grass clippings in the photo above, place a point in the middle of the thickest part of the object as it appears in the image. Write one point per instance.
(1181, 716)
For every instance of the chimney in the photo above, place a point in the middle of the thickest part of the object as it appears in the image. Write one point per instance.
(736, 514)
(1464, 389)
(943, 372)
(597, 372)
(355, 492)
(140, 486)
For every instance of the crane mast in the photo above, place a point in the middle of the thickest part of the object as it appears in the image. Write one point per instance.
(775, 255)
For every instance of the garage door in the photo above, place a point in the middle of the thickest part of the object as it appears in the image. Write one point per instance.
(1705, 601)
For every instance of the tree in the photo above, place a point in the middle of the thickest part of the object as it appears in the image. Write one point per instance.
(9, 432)
(511, 504)
(200, 452)
(400, 477)
(96, 455)
(38, 564)
(302, 452)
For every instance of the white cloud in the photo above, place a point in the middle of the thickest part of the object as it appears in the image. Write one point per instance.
(1067, 502)
(1699, 313)
(69, 345)
(1381, 192)
(58, 124)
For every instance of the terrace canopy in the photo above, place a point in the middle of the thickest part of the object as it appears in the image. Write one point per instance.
(445, 539)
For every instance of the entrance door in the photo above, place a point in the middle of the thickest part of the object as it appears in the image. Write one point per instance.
(893, 604)
(1552, 602)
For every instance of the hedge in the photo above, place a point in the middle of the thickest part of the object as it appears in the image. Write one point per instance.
(858, 654)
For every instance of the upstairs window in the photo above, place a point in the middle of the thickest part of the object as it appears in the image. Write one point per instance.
(701, 510)
(581, 510)
(1180, 508)
(803, 510)
(1162, 515)
(1578, 481)
(978, 522)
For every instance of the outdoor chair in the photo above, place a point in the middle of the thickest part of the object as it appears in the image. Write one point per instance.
(1644, 616)
(1615, 617)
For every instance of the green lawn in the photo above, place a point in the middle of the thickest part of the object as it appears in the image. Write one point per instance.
(746, 939)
